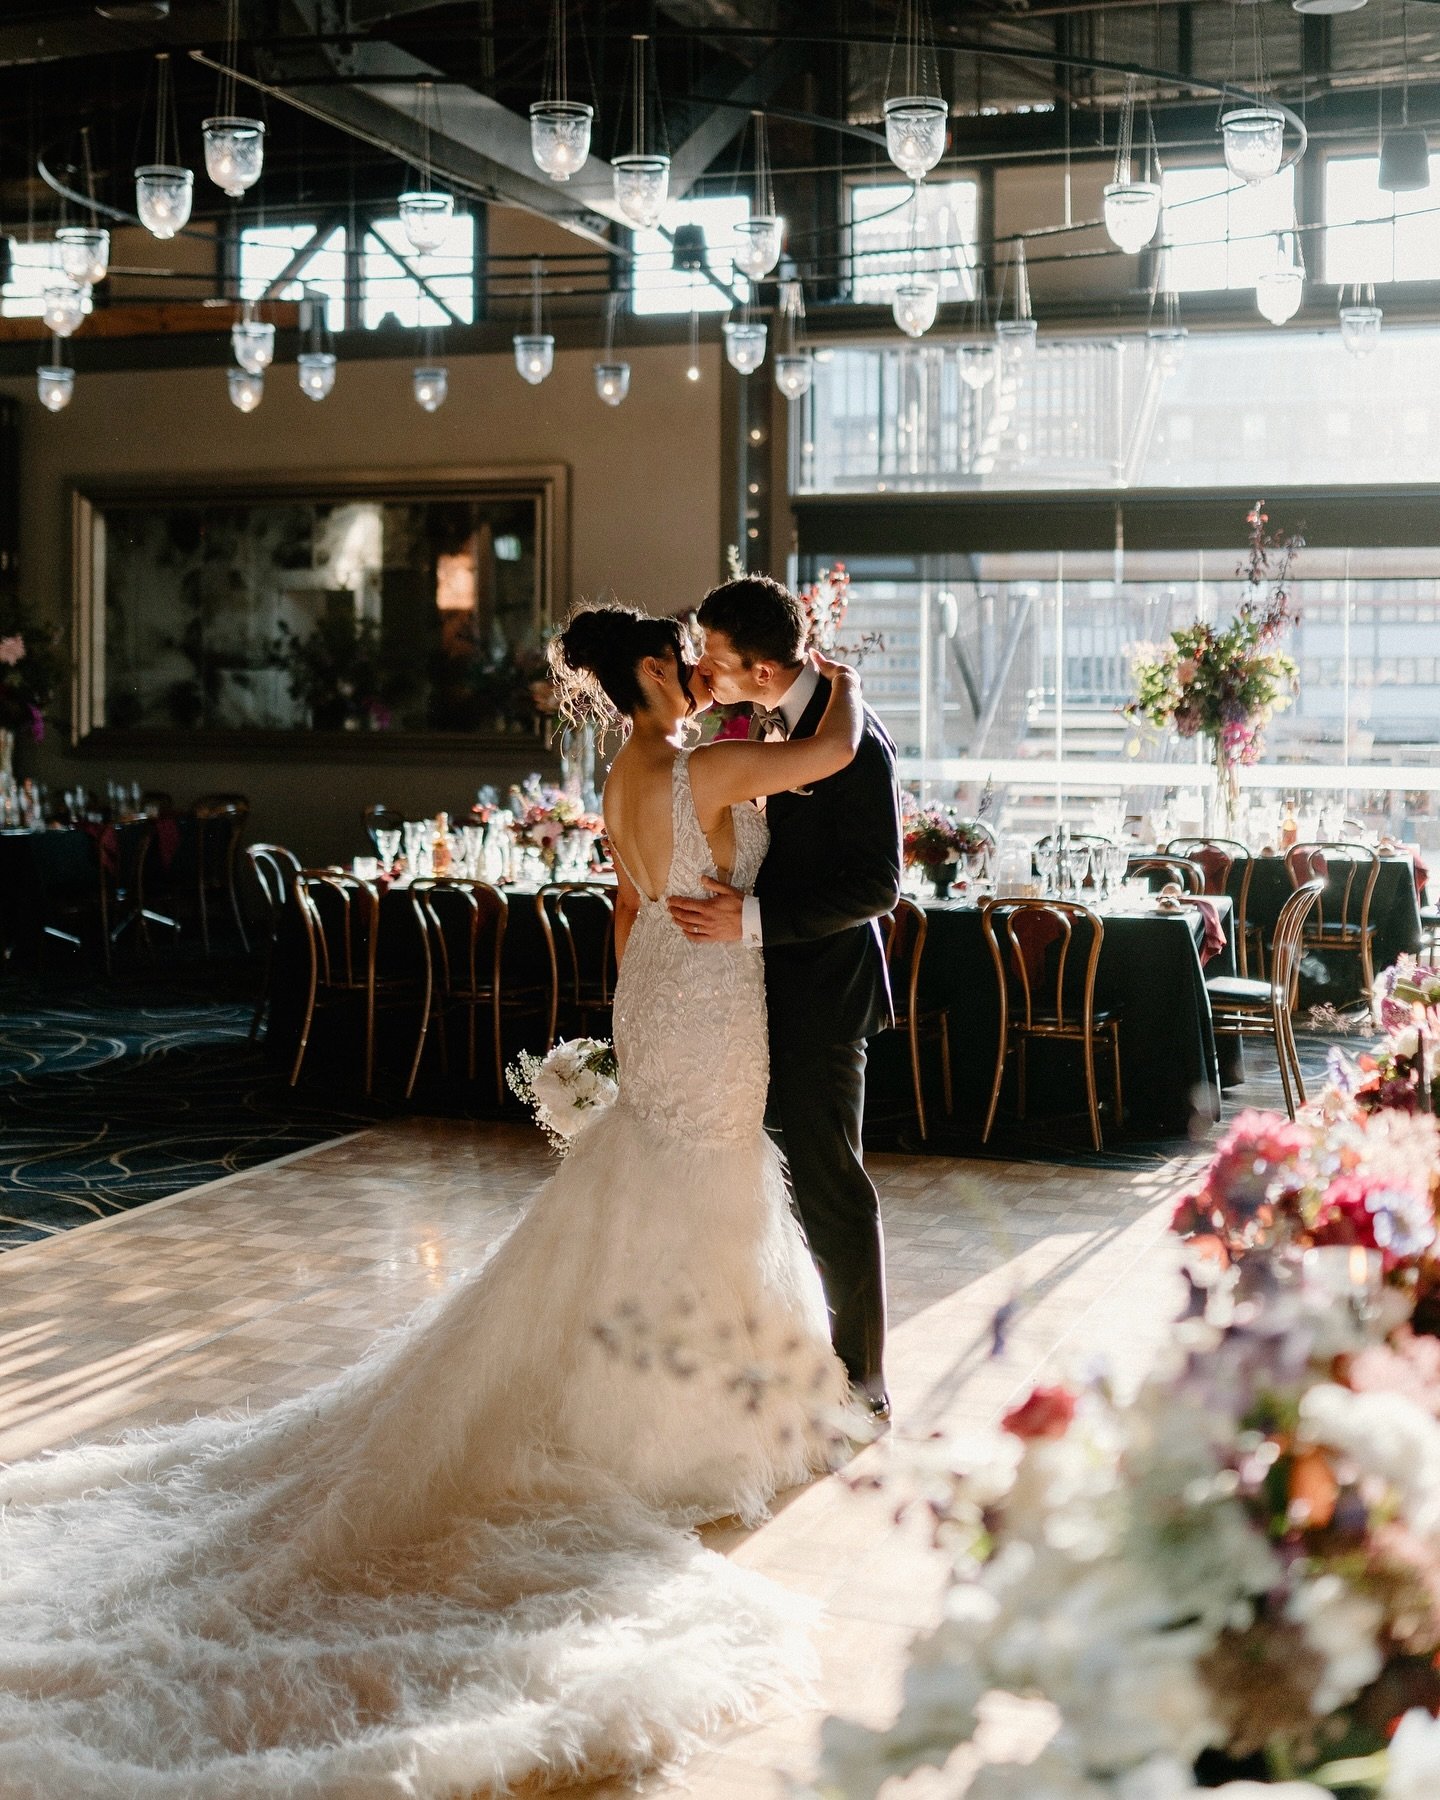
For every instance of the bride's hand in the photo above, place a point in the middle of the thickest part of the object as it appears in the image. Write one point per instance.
(834, 671)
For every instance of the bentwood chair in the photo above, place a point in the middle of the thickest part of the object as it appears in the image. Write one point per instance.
(905, 931)
(467, 921)
(1036, 1001)
(1218, 858)
(577, 923)
(1189, 877)
(219, 824)
(1347, 874)
(340, 920)
(274, 868)
(1245, 1008)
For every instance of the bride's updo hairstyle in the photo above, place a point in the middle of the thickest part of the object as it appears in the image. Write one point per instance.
(595, 662)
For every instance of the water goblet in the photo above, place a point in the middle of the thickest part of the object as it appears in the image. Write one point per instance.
(387, 843)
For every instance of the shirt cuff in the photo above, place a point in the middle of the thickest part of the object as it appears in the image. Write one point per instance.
(751, 934)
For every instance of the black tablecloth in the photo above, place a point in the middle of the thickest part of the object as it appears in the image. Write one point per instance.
(42, 873)
(1335, 979)
(1149, 970)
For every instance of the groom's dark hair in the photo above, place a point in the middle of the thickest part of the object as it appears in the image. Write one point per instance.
(761, 618)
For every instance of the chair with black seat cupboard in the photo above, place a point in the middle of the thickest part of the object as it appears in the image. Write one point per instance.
(1245, 1008)
(905, 931)
(1046, 954)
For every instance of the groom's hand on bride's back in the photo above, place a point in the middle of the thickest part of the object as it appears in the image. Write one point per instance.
(714, 919)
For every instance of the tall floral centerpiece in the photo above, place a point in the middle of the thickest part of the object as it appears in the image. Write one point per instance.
(1224, 682)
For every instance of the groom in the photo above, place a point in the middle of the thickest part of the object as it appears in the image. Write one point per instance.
(832, 871)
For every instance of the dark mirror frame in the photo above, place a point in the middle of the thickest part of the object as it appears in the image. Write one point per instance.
(547, 483)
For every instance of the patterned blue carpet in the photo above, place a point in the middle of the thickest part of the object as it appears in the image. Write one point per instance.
(116, 1092)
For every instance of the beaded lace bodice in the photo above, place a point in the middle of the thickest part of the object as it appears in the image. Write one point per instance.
(690, 1018)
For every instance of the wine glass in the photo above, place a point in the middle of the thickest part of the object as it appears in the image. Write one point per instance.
(387, 845)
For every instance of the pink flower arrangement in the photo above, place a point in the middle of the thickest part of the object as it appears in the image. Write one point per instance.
(12, 648)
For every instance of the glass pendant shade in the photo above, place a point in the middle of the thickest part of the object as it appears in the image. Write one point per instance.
(977, 364)
(84, 253)
(1016, 339)
(916, 300)
(641, 186)
(1166, 343)
(55, 386)
(63, 307)
(757, 245)
(560, 136)
(316, 370)
(253, 344)
(431, 386)
(234, 153)
(164, 193)
(745, 344)
(1405, 160)
(535, 356)
(794, 373)
(1254, 138)
(1132, 213)
(247, 389)
(612, 381)
(1279, 291)
(1360, 328)
(425, 220)
(915, 132)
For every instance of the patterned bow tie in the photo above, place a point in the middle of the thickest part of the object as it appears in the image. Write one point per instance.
(764, 720)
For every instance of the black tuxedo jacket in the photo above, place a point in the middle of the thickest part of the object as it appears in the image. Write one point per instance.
(832, 871)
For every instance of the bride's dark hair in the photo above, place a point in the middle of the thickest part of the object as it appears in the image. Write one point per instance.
(595, 662)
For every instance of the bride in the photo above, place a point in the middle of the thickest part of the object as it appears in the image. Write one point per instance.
(469, 1562)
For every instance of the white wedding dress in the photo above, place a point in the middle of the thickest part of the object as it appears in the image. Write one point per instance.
(467, 1563)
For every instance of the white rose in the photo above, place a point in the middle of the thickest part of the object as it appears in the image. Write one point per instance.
(1414, 1758)
(1406, 1042)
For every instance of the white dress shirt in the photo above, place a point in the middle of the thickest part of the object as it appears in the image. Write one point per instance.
(792, 707)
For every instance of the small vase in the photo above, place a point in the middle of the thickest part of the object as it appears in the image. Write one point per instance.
(943, 875)
(1222, 802)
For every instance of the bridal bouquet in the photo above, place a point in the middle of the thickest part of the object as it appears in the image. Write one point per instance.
(1231, 1584)
(568, 1088)
(1224, 683)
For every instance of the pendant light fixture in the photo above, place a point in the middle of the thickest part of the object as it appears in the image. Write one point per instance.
(62, 306)
(247, 389)
(425, 212)
(252, 340)
(642, 179)
(612, 377)
(917, 298)
(916, 119)
(1253, 136)
(234, 145)
(1016, 335)
(54, 382)
(1281, 288)
(430, 379)
(745, 342)
(758, 238)
(559, 126)
(1360, 320)
(692, 367)
(83, 251)
(315, 365)
(794, 366)
(1405, 150)
(1165, 341)
(535, 349)
(1132, 208)
(164, 190)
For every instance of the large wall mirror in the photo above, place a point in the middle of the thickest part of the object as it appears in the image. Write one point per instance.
(284, 612)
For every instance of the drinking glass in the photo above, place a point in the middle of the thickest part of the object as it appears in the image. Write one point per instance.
(387, 843)
(1047, 855)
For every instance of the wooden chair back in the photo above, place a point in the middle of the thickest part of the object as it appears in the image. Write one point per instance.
(1347, 874)
(340, 916)
(1024, 969)
(1216, 858)
(580, 954)
(467, 920)
(1188, 876)
(1289, 941)
(904, 932)
(274, 868)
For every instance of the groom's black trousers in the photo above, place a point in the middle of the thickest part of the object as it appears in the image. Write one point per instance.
(817, 1101)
